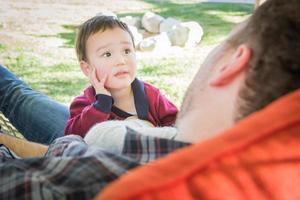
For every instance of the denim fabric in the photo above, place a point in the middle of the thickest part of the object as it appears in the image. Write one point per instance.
(35, 115)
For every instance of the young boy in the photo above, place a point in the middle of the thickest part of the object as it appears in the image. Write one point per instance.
(106, 52)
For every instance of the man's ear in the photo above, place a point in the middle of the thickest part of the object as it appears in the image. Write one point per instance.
(237, 64)
(85, 67)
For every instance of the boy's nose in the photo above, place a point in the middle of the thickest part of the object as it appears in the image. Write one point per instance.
(120, 60)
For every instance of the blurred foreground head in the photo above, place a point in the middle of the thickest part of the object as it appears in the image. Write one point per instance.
(258, 63)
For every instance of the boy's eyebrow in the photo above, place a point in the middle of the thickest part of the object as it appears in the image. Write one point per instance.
(126, 42)
(106, 45)
(102, 47)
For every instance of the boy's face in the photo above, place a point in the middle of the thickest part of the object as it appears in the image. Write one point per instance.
(112, 53)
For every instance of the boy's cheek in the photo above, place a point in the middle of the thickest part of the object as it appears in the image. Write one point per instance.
(98, 73)
(101, 73)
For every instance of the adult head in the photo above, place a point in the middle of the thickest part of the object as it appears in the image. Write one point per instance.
(258, 63)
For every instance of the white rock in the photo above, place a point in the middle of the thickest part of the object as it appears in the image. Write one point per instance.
(107, 13)
(195, 33)
(137, 37)
(132, 21)
(178, 35)
(147, 44)
(162, 41)
(151, 22)
(168, 24)
(158, 43)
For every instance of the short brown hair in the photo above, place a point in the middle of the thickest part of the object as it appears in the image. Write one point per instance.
(273, 33)
(94, 25)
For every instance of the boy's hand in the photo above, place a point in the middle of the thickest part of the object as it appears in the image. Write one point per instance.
(97, 83)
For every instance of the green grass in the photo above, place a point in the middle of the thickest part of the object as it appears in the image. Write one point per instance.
(64, 80)
(2, 47)
(171, 76)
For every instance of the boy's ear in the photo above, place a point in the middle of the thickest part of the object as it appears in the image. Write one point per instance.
(85, 67)
(237, 64)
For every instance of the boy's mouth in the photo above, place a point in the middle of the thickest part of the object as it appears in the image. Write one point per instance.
(121, 73)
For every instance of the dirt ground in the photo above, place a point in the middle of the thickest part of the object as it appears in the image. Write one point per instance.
(35, 24)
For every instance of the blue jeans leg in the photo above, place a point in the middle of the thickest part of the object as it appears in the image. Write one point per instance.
(36, 116)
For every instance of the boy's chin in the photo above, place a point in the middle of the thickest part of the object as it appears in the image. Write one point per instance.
(120, 85)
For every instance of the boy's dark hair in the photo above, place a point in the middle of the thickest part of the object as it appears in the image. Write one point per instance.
(273, 32)
(94, 25)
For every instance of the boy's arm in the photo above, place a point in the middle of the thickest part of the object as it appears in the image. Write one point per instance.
(84, 114)
(166, 110)
(22, 147)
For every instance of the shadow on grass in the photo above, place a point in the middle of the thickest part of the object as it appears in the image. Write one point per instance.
(215, 18)
(69, 36)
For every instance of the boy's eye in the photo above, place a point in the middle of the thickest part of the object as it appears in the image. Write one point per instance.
(107, 54)
(127, 51)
